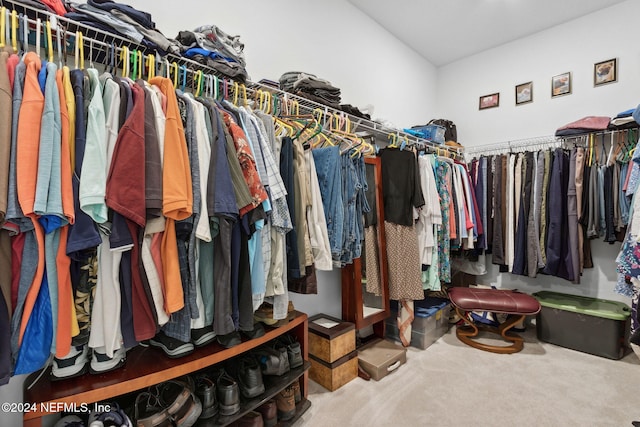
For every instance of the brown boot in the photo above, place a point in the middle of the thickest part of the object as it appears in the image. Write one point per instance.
(286, 403)
(296, 391)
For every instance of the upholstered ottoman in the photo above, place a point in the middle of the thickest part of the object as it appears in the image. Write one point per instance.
(516, 304)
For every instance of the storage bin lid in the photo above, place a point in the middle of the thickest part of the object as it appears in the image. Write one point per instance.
(329, 327)
(613, 310)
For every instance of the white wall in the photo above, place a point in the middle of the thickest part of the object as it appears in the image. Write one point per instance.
(331, 39)
(574, 46)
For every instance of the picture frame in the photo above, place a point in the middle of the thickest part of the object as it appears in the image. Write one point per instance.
(489, 101)
(524, 93)
(605, 72)
(561, 84)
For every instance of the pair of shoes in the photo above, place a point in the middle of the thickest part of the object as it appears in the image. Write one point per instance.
(286, 404)
(172, 403)
(172, 347)
(269, 411)
(228, 394)
(74, 364)
(272, 361)
(101, 363)
(264, 314)
(114, 417)
(206, 392)
(249, 377)
(202, 336)
(292, 346)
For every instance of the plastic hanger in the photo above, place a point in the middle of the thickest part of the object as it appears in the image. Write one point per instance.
(61, 59)
(151, 66)
(79, 51)
(183, 69)
(25, 34)
(38, 35)
(50, 42)
(124, 58)
(134, 64)
(3, 27)
(198, 80)
(174, 68)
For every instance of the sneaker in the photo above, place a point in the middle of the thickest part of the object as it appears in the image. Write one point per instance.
(115, 417)
(206, 392)
(269, 411)
(286, 404)
(228, 394)
(203, 336)
(70, 421)
(250, 377)
(172, 347)
(294, 352)
(100, 362)
(272, 361)
(72, 365)
(182, 405)
(229, 340)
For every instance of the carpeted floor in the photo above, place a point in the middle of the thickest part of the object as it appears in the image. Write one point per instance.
(451, 384)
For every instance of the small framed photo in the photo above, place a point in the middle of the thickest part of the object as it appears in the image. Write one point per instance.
(489, 101)
(561, 84)
(524, 93)
(605, 72)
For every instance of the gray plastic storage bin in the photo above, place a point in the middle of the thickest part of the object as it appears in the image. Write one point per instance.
(424, 330)
(595, 326)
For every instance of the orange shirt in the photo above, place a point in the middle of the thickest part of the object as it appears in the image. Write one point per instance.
(177, 194)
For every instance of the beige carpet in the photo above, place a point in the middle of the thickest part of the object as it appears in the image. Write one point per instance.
(451, 384)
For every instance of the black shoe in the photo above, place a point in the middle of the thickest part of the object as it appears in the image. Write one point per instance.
(256, 332)
(294, 352)
(228, 394)
(206, 392)
(229, 340)
(272, 361)
(250, 377)
(172, 347)
(203, 336)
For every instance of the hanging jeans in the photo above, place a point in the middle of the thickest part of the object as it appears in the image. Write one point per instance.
(223, 322)
(329, 171)
(286, 171)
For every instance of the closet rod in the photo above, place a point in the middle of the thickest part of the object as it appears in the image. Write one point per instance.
(105, 39)
(541, 141)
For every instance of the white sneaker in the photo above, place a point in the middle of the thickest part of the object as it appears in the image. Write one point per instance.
(72, 365)
(115, 417)
(100, 362)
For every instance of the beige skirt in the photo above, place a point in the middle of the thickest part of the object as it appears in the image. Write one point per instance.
(404, 262)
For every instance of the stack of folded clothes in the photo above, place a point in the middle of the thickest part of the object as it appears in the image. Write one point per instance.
(124, 20)
(623, 120)
(585, 125)
(311, 87)
(211, 46)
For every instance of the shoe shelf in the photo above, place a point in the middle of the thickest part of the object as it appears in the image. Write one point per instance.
(147, 366)
(273, 385)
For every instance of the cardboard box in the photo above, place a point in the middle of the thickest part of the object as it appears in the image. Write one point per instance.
(380, 358)
(330, 339)
(334, 375)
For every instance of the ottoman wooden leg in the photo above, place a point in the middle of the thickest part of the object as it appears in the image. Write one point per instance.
(466, 332)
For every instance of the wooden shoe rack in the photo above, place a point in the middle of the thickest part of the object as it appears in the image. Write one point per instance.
(149, 366)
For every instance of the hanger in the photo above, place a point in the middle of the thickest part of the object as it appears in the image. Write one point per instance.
(183, 69)
(54, 21)
(394, 140)
(79, 51)
(124, 58)
(174, 68)
(151, 66)
(3, 27)
(38, 30)
(198, 79)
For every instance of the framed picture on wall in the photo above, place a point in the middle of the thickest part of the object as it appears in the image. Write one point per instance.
(561, 84)
(524, 93)
(605, 72)
(489, 101)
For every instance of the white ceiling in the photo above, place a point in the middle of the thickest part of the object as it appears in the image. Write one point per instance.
(444, 31)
